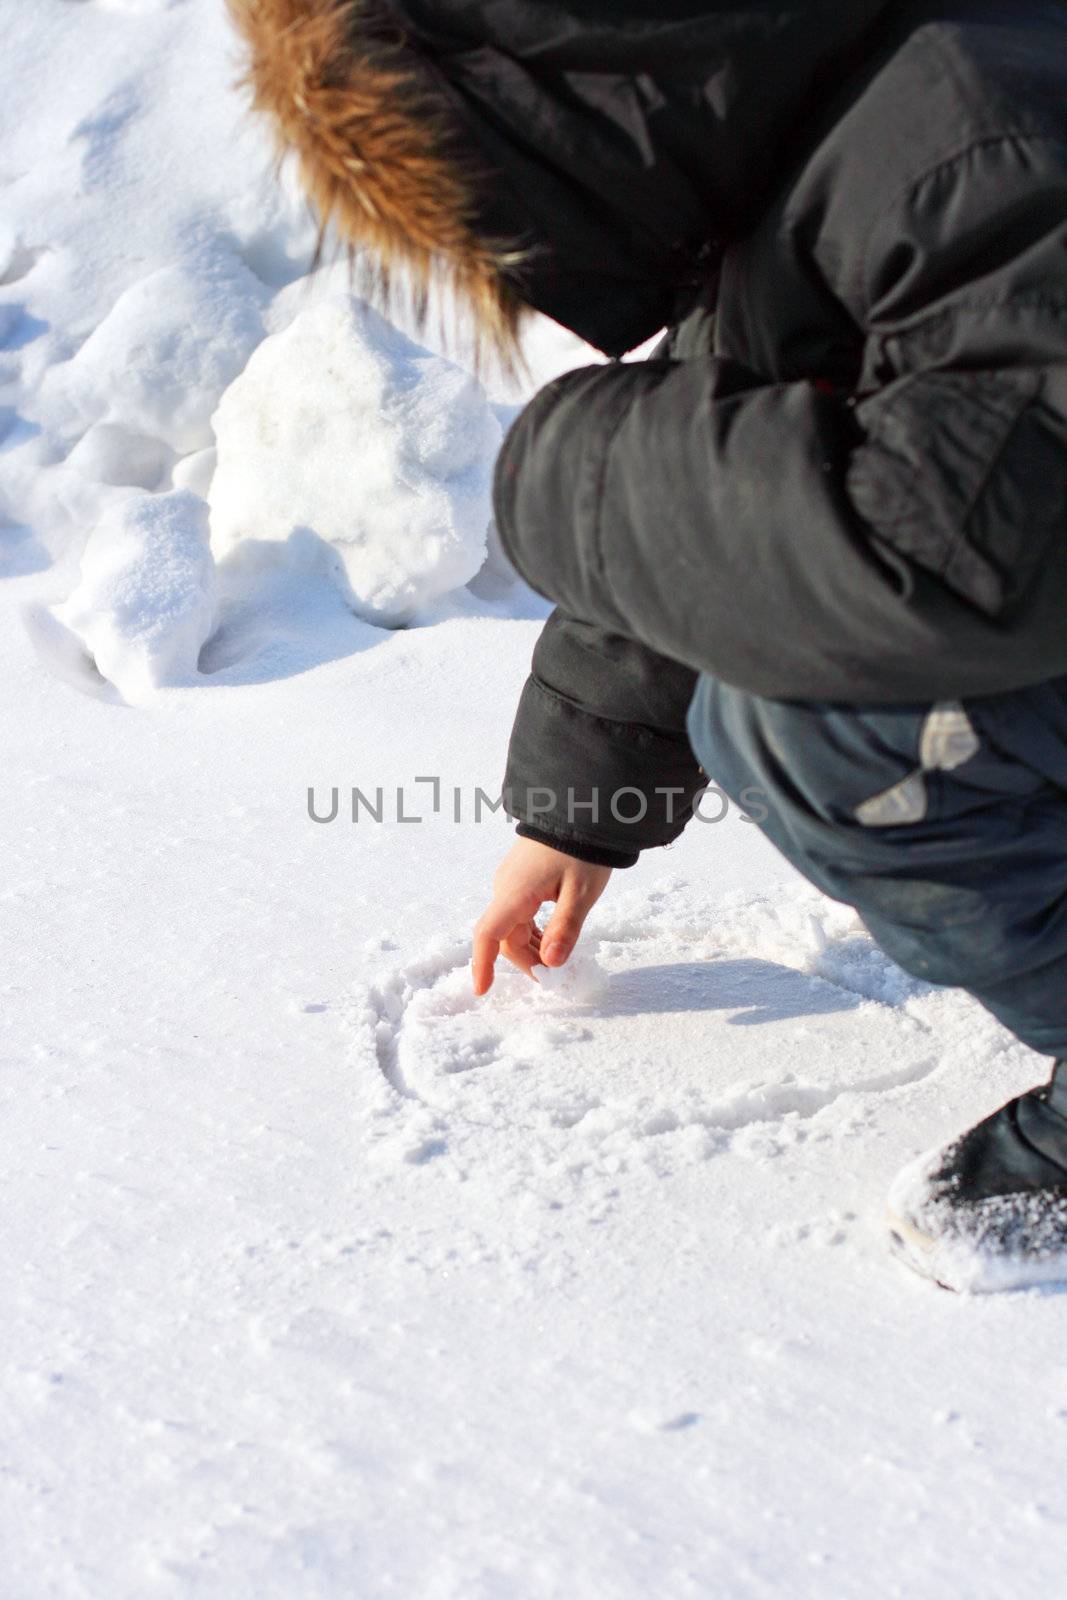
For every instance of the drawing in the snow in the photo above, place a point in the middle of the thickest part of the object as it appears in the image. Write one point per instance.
(533, 931)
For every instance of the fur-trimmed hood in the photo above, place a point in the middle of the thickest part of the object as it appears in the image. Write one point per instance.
(583, 157)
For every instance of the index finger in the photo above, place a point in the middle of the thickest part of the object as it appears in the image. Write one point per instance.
(489, 934)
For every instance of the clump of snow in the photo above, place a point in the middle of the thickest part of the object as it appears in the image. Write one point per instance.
(581, 979)
(159, 361)
(146, 600)
(342, 427)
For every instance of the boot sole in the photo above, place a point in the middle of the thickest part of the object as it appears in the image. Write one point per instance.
(915, 1250)
(924, 1256)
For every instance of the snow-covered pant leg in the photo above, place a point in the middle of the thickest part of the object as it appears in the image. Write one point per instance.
(945, 826)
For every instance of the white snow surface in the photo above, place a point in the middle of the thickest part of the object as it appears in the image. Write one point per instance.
(320, 1277)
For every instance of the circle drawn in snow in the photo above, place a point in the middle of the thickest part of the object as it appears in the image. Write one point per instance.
(710, 1019)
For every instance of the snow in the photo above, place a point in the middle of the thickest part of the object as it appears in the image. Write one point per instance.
(579, 980)
(146, 601)
(346, 434)
(321, 1278)
(157, 364)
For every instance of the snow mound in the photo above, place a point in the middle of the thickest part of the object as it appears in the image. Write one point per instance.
(159, 361)
(342, 427)
(146, 600)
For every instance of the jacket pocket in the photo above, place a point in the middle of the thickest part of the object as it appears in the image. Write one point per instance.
(961, 475)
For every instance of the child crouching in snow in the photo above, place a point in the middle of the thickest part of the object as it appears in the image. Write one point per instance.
(817, 546)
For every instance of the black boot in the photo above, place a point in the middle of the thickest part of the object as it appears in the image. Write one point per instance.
(989, 1211)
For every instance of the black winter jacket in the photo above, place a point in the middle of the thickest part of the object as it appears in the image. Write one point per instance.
(845, 477)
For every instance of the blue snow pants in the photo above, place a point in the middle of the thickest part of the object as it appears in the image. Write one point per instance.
(945, 826)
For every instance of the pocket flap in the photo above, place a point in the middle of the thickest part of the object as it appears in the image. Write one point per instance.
(960, 475)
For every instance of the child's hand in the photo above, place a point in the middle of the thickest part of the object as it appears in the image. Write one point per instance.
(528, 875)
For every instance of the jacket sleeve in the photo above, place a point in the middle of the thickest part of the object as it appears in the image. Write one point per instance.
(904, 544)
(599, 764)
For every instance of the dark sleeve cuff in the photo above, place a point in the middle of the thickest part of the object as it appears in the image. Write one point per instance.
(596, 855)
(602, 785)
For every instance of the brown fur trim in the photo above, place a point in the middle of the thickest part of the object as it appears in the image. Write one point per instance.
(377, 149)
